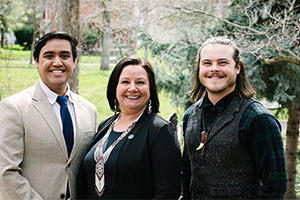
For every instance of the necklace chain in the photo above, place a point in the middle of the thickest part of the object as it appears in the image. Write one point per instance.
(204, 133)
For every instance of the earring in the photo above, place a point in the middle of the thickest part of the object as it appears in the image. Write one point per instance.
(150, 106)
(115, 106)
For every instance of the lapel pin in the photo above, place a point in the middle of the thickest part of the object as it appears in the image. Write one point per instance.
(130, 136)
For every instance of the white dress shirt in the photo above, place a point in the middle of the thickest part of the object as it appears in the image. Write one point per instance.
(52, 96)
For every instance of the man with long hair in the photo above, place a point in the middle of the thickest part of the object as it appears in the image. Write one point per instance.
(233, 146)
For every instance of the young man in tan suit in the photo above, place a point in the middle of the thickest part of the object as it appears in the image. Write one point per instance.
(38, 161)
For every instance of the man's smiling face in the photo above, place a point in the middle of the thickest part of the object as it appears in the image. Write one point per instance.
(217, 70)
(56, 64)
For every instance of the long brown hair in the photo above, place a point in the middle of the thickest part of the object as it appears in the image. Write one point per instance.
(242, 88)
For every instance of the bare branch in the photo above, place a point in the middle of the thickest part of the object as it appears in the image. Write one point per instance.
(280, 59)
(188, 10)
(280, 42)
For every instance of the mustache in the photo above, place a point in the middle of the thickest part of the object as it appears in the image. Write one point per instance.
(218, 74)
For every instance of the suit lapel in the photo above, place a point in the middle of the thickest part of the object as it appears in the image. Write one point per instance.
(42, 105)
(79, 128)
(193, 127)
(226, 117)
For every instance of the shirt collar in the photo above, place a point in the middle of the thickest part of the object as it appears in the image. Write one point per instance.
(52, 96)
(221, 104)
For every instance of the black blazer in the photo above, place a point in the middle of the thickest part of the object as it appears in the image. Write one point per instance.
(148, 165)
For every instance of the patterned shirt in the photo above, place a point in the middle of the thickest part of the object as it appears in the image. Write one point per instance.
(261, 134)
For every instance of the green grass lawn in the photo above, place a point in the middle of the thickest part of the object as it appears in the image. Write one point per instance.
(15, 56)
(92, 85)
(14, 52)
(92, 81)
(13, 80)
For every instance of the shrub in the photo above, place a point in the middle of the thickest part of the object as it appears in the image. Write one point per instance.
(24, 36)
(91, 37)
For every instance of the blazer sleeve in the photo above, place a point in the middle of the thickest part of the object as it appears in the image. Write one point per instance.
(166, 164)
(12, 184)
(186, 166)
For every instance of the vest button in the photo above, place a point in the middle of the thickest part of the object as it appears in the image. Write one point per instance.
(62, 196)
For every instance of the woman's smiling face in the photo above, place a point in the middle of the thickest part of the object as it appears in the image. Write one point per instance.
(133, 89)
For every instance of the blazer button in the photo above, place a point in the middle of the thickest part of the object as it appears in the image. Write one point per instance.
(62, 196)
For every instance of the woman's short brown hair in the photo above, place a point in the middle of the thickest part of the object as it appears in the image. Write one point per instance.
(115, 75)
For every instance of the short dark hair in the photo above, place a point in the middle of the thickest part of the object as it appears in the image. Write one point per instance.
(54, 35)
(242, 88)
(115, 75)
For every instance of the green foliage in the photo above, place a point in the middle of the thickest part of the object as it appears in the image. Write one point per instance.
(174, 73)
(176, 82)
(279, 82)
(145, 38)
(24, 36)
(91, 37)
(5, 9)
(270, 28)
(178, 61)
(284, 85)
(120, 47)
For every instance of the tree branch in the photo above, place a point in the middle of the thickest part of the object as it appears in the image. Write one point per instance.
(294, 60)
(270, 61)
(188, 10)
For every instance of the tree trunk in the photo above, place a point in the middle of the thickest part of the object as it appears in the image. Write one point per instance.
(106, 39)
(146, 52)
(2, 38)
(34, 34)
(32, 47)
(2, 30)
(69, 21)
(291, 150)
(131, 42)
(106, 48)
(145, 17)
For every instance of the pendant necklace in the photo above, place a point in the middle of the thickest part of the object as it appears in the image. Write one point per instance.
(204, 133)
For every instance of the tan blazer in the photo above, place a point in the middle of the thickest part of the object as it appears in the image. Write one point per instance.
(34, 161)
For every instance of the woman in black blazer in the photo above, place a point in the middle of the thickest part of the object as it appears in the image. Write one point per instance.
(136, 147)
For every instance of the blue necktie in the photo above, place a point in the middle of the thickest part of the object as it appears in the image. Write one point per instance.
(66, 122)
